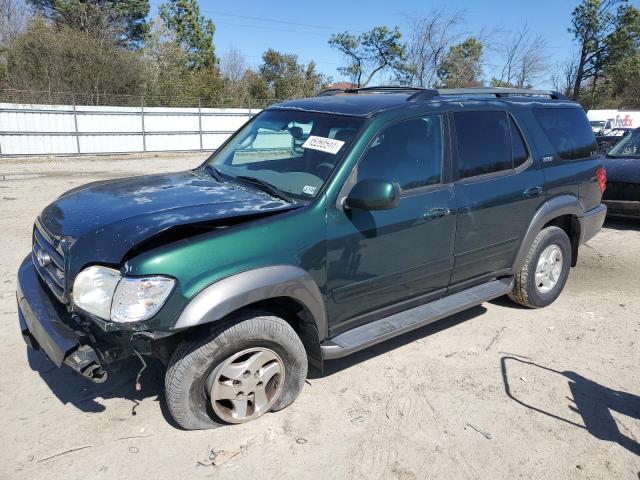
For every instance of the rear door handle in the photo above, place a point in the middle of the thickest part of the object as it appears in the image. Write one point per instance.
(532, 192)
(437, 212)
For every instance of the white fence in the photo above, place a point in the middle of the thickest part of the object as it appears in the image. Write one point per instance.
(71, 130)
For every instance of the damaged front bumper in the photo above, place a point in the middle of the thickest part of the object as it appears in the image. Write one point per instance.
(43, 328)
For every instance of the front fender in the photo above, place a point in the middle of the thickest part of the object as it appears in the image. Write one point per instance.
(236, 291)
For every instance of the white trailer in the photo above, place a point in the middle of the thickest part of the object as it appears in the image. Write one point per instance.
(603, 121)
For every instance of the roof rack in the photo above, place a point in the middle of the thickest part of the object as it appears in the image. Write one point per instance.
(420, 94)
(378, 89)
(503, 92)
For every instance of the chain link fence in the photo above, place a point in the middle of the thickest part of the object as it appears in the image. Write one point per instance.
(32, 97)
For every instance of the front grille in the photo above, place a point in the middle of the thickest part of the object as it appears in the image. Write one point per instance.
(49, 261)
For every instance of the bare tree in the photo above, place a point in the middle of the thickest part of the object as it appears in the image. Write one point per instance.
(233, 65)
(564, 76)
(13, 19)
(430, 38)
(523, 59)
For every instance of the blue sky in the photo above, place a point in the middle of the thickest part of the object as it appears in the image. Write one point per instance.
(546, 17)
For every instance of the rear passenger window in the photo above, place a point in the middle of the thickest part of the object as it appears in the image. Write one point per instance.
(569, 132)
(484, 143)
(518, 147)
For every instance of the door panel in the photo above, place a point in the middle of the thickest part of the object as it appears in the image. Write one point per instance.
(381, 258)
(378, 258)
(493, 216)
(500, 189)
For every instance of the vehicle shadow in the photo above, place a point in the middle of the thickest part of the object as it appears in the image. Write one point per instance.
(622, 223)
(70, 387)
(334, 366)
(592, 401)
(505, 301)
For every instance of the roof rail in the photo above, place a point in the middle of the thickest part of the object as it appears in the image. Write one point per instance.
(502, 92)
(330, 91)
(377, 89)
(389, 88)
(421, 94)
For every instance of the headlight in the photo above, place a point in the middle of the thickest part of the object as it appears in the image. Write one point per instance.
(105, 293)
(138, 299)
(93, 290)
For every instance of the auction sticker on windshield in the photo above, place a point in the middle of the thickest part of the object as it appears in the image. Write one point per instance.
(327, 145)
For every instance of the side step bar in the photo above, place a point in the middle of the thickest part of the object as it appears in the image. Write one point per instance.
(375, 332)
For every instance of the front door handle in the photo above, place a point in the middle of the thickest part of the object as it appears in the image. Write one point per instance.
(437, 212)
(532, 192)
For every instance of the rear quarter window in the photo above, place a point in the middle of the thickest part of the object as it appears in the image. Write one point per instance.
(569, 132)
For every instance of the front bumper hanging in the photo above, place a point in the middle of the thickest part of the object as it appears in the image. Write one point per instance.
(43, 329)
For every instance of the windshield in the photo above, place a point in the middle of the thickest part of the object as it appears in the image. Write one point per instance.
(629, 146)
(597, 123)
(295, 152)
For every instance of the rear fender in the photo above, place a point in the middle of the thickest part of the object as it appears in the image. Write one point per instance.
(553, 208)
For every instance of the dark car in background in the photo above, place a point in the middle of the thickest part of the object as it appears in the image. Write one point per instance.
(605, 142)
(622, 163)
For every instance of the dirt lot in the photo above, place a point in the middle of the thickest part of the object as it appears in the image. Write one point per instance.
(496, 392)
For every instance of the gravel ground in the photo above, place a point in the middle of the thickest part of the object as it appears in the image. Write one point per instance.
(496, 392)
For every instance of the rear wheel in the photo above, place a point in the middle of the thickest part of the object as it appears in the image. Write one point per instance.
(251, 364)
(545, 270)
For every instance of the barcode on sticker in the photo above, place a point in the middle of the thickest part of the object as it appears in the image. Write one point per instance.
(323, 144)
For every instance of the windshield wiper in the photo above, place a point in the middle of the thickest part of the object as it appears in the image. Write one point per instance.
(266, 187)
(214, 172)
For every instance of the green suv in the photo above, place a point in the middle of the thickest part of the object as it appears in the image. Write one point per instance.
(323, 226)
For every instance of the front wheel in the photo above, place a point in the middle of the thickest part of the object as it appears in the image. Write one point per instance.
(545, 270)
(251, 364)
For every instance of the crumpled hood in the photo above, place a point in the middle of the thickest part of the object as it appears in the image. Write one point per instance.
(102, 221)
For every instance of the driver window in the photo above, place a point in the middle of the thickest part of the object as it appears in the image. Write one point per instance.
(408, 152)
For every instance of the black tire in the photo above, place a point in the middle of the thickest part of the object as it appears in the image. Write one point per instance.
(525, 292)
(193, 361)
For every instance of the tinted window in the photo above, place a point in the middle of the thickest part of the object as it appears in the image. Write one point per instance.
(568, 130)
(484, 144)
(408, 152)
(518, 147)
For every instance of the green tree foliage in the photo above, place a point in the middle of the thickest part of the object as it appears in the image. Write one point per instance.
(462, 65)
(87, 15)
(165, 63)
(286, 78)
(607, 32)
(193, 31)
(170, 78)
(47, 58)
(621, 87)
(372, 52)
(106, 47)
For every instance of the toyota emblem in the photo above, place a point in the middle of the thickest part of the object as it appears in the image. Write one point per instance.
(43, 258)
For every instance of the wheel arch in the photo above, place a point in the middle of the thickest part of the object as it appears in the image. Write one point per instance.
(284, 290)
(563, 211)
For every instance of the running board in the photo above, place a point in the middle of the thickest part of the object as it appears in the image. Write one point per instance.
(375, 332)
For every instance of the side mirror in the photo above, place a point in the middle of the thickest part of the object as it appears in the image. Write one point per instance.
(373, 194)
